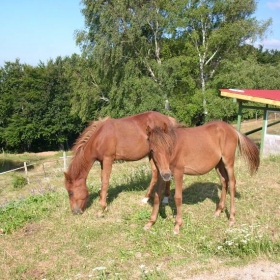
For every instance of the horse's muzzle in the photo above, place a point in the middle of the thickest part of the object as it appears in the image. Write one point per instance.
(77, 211)
(166, 176)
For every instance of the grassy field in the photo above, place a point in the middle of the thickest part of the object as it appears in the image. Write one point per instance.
(41, 239)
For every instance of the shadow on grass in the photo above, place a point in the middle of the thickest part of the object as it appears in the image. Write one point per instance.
(195, 193)
(6, 165)
(134, 184)
(199, 192)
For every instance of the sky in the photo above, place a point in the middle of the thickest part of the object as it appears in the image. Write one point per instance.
(40, 30)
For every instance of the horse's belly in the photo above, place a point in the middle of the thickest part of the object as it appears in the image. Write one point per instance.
(197, 170)
(132, 152)
(200, 165)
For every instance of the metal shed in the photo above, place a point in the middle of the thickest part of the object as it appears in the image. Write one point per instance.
(267, 97)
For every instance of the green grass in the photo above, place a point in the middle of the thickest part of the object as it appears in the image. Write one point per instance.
(16, 214)
(42, 239)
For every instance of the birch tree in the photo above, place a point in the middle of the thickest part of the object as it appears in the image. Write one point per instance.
(125, 40)
(214, 29)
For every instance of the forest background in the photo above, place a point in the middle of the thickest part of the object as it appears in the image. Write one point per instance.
(169, 56)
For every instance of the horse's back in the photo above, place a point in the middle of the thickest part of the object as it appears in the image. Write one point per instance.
(199, 149)
(150, 118)
(127, 137)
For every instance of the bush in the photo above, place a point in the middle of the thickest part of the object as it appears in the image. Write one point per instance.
(18, 181)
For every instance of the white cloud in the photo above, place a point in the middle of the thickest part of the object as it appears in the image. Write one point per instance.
(269, 44)
(274, 5)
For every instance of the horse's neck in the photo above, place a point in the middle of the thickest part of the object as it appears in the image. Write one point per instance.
(89, 159)
(85, 150)
(81, 165)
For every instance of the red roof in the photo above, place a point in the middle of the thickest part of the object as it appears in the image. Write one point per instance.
(266, 96)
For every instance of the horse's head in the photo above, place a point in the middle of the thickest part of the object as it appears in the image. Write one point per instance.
(161, 141)
(78, 193)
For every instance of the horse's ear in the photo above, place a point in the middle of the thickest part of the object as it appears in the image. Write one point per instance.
(165, 128)
(67, 177)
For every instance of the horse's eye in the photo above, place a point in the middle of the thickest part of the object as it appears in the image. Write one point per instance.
(70, 193)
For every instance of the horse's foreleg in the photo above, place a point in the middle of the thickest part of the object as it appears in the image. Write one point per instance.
(166, 192)
(153, 181)
(106, 168)
(222, 173)
(178, 200)
(155, 210)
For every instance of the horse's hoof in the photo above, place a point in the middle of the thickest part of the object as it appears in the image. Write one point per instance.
(165, 200)
(145, 200)
(217, 213)
(176, 230)
(100, 214)
(148, 226)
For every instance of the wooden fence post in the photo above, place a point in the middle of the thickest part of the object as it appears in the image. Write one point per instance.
(44, 170)
(26, 173)
(64, 161)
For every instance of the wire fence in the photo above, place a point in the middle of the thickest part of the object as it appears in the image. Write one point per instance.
(37, 171)
(32, 178)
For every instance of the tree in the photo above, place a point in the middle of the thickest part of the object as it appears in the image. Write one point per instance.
(15, 108)
(214, 29)
(35, 106)
(58, 123)
(243, 70)
(128, 39)
(268, 56)
(88, 93)
(125, 40)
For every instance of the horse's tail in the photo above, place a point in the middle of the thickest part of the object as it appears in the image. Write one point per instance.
(249, 151)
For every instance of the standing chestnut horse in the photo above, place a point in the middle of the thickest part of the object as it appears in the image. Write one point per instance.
(106, 141)
(196, 151)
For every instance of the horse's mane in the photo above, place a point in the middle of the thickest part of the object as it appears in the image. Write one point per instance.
(79, 161)
(163, 138)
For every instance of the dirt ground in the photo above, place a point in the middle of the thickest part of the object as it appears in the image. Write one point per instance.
(263, 270)
(50, 153)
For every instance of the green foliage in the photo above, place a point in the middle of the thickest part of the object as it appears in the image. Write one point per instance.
(221, 108)
(141, 215)
(18, 181)
(16, 214)
(37, 108)
(136, 55)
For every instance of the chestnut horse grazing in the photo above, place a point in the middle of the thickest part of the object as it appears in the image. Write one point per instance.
(196, 151)
(105, 141)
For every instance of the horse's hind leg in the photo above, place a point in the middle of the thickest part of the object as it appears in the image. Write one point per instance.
(222, 173)
(232, 183)
(226, 174)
